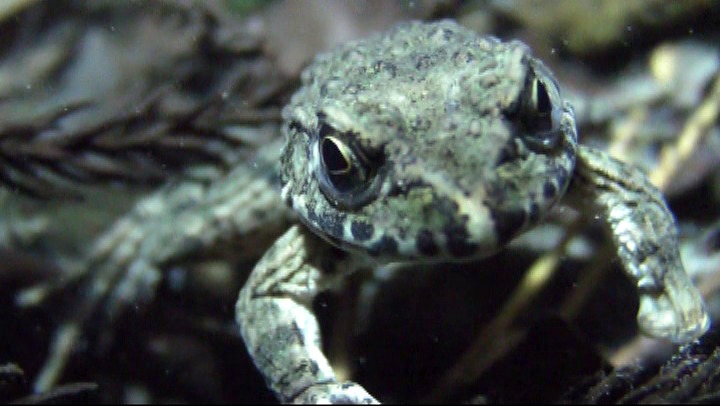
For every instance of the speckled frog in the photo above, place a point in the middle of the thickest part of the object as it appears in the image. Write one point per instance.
(432, 143)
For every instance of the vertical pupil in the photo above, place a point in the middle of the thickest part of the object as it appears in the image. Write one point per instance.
(333, 157)
(544, 106)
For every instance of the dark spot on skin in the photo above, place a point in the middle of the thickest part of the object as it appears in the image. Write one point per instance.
(420, 124)
(507, 223)
(457, 241)
(361, 231)
(386, 246)
(331, 225)
(335, 225)
(423, 62)
(384, 66)
(301, 368)
(425, 243)
(456, 57)
(549, 190)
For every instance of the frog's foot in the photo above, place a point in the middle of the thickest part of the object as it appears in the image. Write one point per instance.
(334, 394)
(676, 313)
(280, 331)
(643, 230)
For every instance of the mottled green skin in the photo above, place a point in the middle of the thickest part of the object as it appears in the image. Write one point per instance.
(436, 103)
(464, 142)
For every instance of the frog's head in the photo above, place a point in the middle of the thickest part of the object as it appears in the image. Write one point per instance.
(429, 142)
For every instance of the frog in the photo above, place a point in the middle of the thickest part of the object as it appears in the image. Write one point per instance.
(431, 143)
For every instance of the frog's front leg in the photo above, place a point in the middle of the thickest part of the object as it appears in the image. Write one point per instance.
(644, 232)
(276, 321)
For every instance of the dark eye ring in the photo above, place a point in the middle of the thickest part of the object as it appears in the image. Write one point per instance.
(345, 175)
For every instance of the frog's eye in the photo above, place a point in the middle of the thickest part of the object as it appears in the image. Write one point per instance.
(542, 106)
(344, 172)
(540, 111)
(336, 157)
(341, 165)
